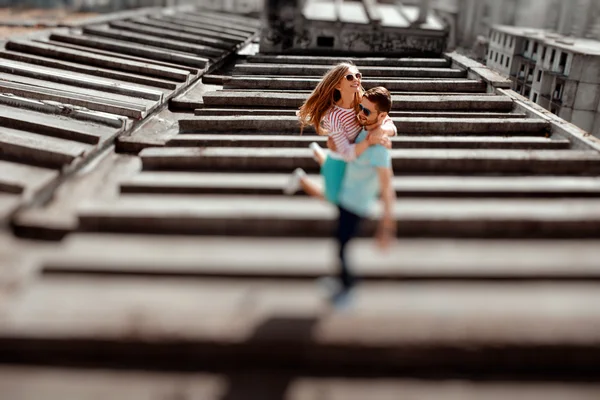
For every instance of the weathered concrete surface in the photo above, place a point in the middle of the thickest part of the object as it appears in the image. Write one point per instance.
(399, 102)
(89, 385)
(286, 69)
(403, 160)
(24, 179)
(50, 50)
(161, 182)
(399, 142)
(358, 61)
(395, 84)
(260, 216)
(406, 126)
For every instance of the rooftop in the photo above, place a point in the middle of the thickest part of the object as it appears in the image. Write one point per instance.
(569, 43)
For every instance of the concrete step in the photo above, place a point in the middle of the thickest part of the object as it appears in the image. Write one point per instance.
(151, 52)
(242, 35)
(406, 126)
(35, 149)
(56, 126)
(38, 89)
(445, 327)
(159, 182)
(399, 102)
(151, 40)
(122, 55)
(281, 216)
(9, 203)
(368, 72)
(115, 107)
(408, 161)
(22, 179)
(60, 383)
(175, 27)
(99, 60)
(169, 34)
(406, 259)
(399, 142)
(101, 72)
(230, 18)
(210, 111)
(358, 61)
(392, 84)
(79, 80)
(212, 23)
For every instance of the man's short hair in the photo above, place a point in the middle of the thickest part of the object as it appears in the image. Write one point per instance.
(381, 97)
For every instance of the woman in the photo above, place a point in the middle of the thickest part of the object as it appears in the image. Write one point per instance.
(331, 109)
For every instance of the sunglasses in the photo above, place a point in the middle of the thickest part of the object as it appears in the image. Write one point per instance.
(351, 77)
(364, 110)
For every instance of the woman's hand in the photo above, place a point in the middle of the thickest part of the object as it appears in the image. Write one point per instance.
(378, 136)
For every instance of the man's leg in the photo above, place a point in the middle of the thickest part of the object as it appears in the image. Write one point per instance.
(347, 228)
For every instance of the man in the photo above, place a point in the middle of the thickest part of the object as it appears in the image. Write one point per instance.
(367, 176)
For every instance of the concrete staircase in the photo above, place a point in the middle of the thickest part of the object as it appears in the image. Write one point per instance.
(188, 258)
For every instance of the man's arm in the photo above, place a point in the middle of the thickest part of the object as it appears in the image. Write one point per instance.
(387, 225)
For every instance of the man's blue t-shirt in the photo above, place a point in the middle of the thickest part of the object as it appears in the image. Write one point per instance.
(360, 187)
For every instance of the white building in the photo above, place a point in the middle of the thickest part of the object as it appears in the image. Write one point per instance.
(562, 74)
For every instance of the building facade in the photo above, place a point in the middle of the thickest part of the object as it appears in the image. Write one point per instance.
(561, 74)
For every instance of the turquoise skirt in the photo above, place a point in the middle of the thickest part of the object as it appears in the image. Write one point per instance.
(333, 171)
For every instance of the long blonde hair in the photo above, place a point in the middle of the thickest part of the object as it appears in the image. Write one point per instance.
(324, 97)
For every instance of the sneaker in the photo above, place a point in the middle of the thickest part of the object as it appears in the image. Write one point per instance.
(314, 146)
(293, 184)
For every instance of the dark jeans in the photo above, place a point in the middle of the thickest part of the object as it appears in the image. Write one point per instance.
(347, 228)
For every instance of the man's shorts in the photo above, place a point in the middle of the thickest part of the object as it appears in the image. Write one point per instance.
(333, 170)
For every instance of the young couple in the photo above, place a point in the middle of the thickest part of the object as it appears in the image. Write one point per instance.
(358, 168)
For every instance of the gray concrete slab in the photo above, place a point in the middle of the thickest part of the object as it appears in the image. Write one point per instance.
(71, 111)
(399, 142)
(39, 87)
(81, 100)
(368, 72)
(175, 27)
(24, 179)
(394, 84)
(406, 126)
(161, 182)
(169, 34)
(75, 55)
(80, 80)
(241, 35)
(151, 52)
(93, 384)
(362, 61)
(179, 45)
(120, 55)
(53, 125)
(101, 72)
(399, 102)
(9, 202)
(280, 216)
(215, 22)
(236, 19)
(404, 161)
(32, 148)
(222, 111)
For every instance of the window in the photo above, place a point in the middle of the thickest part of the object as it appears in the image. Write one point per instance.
(539, 77)
(563, 62)
(519, 87)
(554, 110)
(505, 38)
(535, 48)
(557, 94)
(529, 75)
(507, 62)
(502, 59)
(552, 55)
(522, 71)
(543, 53)
(535, 97)
(325, 41)
(491, 55)
(526, 92)
(496, 58)
(511, 41)
(526, 46)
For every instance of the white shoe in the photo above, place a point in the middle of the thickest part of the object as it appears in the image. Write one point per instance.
(314, 146)
(293, 184)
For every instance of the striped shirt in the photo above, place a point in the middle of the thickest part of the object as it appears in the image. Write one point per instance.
(343, 127)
